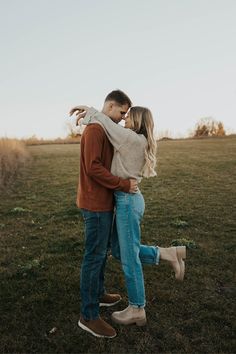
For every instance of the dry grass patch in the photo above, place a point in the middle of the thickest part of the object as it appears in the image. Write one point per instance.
(34, 140)
(13, 155)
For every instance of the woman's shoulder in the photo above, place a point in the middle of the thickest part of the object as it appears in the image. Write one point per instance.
(140, 138)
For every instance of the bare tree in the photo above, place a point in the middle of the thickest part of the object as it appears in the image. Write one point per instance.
(209, 127)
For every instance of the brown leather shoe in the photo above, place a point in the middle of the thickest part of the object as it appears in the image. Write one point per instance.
(109, 300)
(98, 328)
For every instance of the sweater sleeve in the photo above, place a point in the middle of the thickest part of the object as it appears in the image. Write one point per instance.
(93, 162)
(117, 134)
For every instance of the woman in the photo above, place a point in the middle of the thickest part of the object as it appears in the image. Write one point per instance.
(134, 157)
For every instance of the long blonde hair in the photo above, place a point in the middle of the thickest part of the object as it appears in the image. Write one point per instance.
(142, 123)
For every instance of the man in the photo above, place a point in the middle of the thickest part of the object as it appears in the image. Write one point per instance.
(95, 198)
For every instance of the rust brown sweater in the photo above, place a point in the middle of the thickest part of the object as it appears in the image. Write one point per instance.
(96, 183)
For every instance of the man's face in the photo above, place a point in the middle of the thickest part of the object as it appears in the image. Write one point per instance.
(117, 112)
(128, 122)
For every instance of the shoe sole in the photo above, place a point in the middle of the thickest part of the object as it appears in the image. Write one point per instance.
(181, 255)
(107, 304)
(92, 332)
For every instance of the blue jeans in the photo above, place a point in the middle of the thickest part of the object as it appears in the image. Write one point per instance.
(97, 240)
(126, 245)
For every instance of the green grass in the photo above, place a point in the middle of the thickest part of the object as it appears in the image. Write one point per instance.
(191, 201)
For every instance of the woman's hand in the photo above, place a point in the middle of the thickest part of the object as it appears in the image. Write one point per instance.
(80, 116)
(133, 185)
(78, 110)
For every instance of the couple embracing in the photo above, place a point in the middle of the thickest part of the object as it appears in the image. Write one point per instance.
(113, 161)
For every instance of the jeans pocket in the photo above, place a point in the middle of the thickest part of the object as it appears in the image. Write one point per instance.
(87, 215)
(138, 204)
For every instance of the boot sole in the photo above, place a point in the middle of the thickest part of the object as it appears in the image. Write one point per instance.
(139, 323)
(92, 332)
(181, 255)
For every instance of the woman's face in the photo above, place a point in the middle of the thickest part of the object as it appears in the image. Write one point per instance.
(128, 123)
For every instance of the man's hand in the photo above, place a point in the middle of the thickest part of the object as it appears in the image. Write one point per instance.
(78, 109)
(133, 185)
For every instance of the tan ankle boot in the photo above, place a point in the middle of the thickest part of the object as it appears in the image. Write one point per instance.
(175, 256)
(130, 315)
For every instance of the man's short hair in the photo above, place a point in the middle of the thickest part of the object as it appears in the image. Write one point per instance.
(119, 97)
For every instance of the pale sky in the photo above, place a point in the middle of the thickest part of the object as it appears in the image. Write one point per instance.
(177, 57)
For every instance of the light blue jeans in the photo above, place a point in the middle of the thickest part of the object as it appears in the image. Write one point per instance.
(126, 246)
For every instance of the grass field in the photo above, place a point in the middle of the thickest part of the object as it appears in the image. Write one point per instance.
(192, 198)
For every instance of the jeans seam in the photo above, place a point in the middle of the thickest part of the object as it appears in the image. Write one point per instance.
(90, 292)
(137, 294)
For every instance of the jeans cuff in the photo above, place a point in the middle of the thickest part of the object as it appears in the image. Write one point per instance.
(157, 256)
(137, 306)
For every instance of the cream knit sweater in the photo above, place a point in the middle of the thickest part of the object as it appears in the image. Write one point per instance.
(129, 147)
